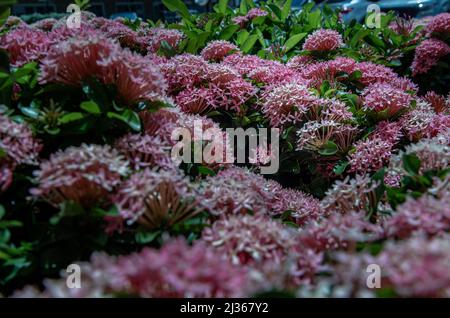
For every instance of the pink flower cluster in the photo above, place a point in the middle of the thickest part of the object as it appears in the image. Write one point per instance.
(17, 147)
(156, 36)
(417, 267)
(132, 197)
(375, 152)
(85, 175)
(439, 24)
(25, 44)
(427, 214)
(323, 40)
(177, 270)
(385, 99)
(143, 151)
(287, 104)
(251, 14)
(218, 50)
(76, 60)
(199, 86)
(338, 114)
(427, 55)
(249, 239)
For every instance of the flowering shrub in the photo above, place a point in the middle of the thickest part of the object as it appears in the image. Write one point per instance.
(87, 132)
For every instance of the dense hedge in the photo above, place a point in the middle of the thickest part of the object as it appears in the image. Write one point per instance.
(86, 175)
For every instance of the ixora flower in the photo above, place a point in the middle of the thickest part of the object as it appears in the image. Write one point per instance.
(251, 14)
(370, 155)
(45, 24)
(372, 73)
(385, 100)
(25, 44)
(217, 50)
(156, 198)
(116, 30)
(157, 35)
(78, 59)
(195, 100)
(439, 24)
(250, 240)
(184, 70)
(427, 214)
(432, 154)
(17, 147)
(85, 175)
(345, 277)
(225, 89)
(17, 144)
(417, 267)
(389, 131)
(440, 103)
(349, 195)
(423, 122)
(323, 40)
(303, 207)
(275, 74)
(315, 135)
(6, 175)
(427, 55)
(235, 191)
(287, 104)
(298, 62)
(331, 71)
(338, 232)
(177, 270)
(145, 151)
(160, 123)
(245, 64)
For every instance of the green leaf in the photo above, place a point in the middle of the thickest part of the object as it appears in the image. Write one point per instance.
(222, 6)
(375, 41)
(249, 43)
(68, 209)
(206, 171)
(4, 61)
(3, 153)
(325, 86)
(70, 117)
(359, 36)
(314, 19)
(30, 112)
(356, 75)
(276, 10)
(91, 107)
(340, 167)
(286, 10)
(329, 149)
(166, 49)
(2, 211)
(146, 237)
(293, 41)
(178, 6)
(411, 163)
(97, 92)
(129, 117)
(228, 31)
(242, 37)
(395, 63)
(243, 9)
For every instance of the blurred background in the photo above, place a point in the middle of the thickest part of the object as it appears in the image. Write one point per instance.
(31, 10)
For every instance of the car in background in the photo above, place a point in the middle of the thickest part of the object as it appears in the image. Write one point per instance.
(298, 4)
(126, 15)
(357, 9)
